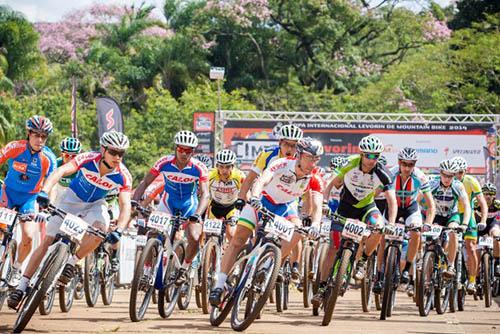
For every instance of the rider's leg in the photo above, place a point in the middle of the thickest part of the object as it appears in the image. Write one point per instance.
(28, 229)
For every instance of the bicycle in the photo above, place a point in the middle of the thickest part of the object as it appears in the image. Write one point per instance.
(282, 287)
(321, 252)
(8, 248)
(461, 279)
(486, 275)
(353, 232)
(71, 232)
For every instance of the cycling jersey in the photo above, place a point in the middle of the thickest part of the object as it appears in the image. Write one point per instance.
(89, 185)
(27, 171)
(359, 187)
(407, 192)
(65, 180)
(265, 158)
(225, 193)
(181, 185)
(473, 188)
(493, 219)
(446, 198)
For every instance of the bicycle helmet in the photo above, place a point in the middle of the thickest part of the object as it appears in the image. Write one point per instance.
(461, 163)
(115, 140)
(311, 146)
(448, 166)
(39, 124)
(290, 132)
(225, 157)
(186, 138)
(70, 145)
(338, 161)
(408, 153)
(204, 159)
(371, 144)
(383, 160)
(489, 188)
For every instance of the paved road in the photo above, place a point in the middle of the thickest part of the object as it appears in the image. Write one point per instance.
(348, 318)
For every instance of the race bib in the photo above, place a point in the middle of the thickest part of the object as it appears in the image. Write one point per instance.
(394, 232)
(160, 221)
(434, 233)
(353, 229)
(326, 224)
(7, 216)
(485, 241)
(212, 226)
(141, 240)
(74, 226)
(281, 228)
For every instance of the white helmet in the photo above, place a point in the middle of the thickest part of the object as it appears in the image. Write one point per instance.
(371, 144)
(290, 132)
(225, 157)
(186, 138)
(408, 153)
(204, 159)
(114, 139)
(448, 166)
(461, 163)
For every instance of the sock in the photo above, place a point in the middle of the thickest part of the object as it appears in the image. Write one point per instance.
(472, 279)
(73, 260)
(407, 266)
(221, 280)
(23, 283)
(186, 264)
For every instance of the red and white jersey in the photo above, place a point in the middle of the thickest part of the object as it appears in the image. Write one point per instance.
(284, 186)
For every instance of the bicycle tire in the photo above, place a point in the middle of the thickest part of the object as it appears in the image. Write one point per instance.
(307, 269)
(208, 273)
(47, 303)
(91, 281)
(367, 283)
(389, 291)
(486, 279)
(107, 282)
(426, 299)
(67, 295)
(168, 295)
(322, 253)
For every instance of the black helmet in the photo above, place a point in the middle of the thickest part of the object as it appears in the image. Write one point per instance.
(311, 146)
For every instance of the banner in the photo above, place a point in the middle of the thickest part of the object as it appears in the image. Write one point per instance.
(203, 127)
(434, 142)
(109, 115)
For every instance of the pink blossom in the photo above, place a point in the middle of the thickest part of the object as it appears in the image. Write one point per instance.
(435, 30)
(208, 45)
(157, 32)
(243, 12)
(408, 104)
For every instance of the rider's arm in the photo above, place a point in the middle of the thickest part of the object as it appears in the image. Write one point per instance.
(431, 207)
(146, 181)
(336, 182)
(305, 211)
(392, 205)
(259, 184)
(464, 199)
(484, 207)
(247, 184)
(204, 198)
(125, 208)
(316, 199)
(64, 170)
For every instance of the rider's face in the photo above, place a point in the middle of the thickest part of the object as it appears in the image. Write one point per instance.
(460, 175)
(446, 179)
(368, 161)
(288, 147)
(113, 157)
(37, 140)
(67, 156)
(406, 167)
(183, 153)
(224, 170)
(489, 197)
(308, 162)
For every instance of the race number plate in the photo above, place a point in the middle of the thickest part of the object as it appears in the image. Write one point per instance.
(281, 228)
(74, 226)
(7, 216)
(326, 224)
(353, 229)
(212, 226)
(434, 233)
(394, 232)
(160, 221)
(141, 240)
(485, 241)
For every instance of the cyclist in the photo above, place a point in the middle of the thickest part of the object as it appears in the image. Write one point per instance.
(492, 226)
(361, 178)
(30, 163)
(333, 197)
(380, 201)
(70, 147)
(473, 189)
(97, 174)
(183, 176)
(278, 190)
(447, 193)
(408, 182)
(224, 183)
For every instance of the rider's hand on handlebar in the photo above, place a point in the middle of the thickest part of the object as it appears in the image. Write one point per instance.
(255, 203)
(313, 232)
(481, 226)
(194, 218)
(43, 200)
(114, 236)
(239, 204)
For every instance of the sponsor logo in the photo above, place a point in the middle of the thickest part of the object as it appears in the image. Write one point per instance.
(97, 181)
(110, 122)
(288, 191)
(288, 179)
(278, 166)
(20, 167)
(180, 178)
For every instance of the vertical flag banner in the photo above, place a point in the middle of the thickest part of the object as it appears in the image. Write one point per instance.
(109, 115)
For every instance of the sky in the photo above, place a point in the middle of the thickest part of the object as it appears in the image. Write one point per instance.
(54, 10)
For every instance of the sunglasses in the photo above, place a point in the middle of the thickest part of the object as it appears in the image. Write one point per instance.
(447, 176)
(116, 153)
(187, 150)
(69, 155)
(407, 164)
(489, 193)
(41, 135)
(371, 156)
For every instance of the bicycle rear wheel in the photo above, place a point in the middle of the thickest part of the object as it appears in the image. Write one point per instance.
(307, 271)
(367, 283)
(91, 280)
(426, 284)
(486, 279)
(67, 295)
(389, 284)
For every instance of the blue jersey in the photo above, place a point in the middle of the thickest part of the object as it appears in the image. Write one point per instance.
(407, 192)
(90, 186)
(180, 185)
(27, 171)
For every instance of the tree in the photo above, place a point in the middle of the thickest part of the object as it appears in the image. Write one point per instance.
(470, 11)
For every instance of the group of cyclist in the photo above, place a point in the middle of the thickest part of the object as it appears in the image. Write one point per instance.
(285, 180)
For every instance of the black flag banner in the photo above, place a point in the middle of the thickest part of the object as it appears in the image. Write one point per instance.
(109, 115)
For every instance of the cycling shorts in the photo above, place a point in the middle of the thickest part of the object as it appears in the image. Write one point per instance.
(381, 204)
(218, 211)
(369, 214)
(445, 221)
(489, 227)
(93, 213)
(471, 231)
(174, 206)
(333, 204)
(249, 216)
(411, 215)
(24, 202)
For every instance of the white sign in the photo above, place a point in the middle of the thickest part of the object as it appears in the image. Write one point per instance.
(281, 228)
(434, 233)
(217, 73)
(353, 229)
(160, 221)
(248, 149)
(74, 226)
(212, 226)
(141, 240)
(325, 227)
(7, 216)
(485, 241)
(394, 232)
